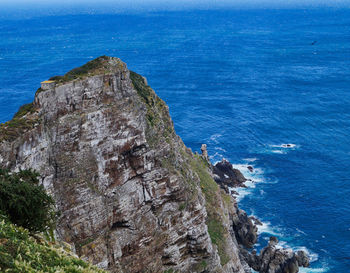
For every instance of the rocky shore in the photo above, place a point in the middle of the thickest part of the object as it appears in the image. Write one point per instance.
(271, 259)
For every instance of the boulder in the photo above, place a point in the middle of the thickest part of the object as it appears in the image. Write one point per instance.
(225, 174)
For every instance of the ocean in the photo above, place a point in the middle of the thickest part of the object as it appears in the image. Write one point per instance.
(244, 82)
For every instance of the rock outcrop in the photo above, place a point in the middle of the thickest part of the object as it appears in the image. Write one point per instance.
(272, 259)
(132, 197)
(226, 176)
(275, 259)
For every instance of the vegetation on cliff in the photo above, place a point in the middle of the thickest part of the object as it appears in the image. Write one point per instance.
(159, 120)
(212, 194)
(157, 111)
(24, 120)
(91, 68)
(25, 202)
(20, 252)
(25, 210)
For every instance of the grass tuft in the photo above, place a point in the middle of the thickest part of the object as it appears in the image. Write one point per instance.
(20, 252)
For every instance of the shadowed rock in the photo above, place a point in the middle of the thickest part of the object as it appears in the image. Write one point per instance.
(226, 175)
(275, 260)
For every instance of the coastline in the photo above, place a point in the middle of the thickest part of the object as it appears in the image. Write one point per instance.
(273, 257)
(254, 176)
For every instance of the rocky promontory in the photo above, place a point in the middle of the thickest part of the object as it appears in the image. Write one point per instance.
(131, 196)
(271, 258)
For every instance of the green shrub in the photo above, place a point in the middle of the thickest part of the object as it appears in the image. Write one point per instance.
(24, 109)
(19, 124)
(25, 202)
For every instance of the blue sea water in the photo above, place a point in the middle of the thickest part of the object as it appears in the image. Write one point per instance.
(244, 82)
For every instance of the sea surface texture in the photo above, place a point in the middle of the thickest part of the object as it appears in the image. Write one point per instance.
(243, 82)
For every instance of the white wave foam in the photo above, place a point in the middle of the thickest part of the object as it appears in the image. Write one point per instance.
(253, 177)
(214, 138)
(250, 159)
(216, 157)
(220, 149)
(277, 148)
(278, 152)
(241, 194)
(256, 175)
(266, 228)
(300, 231)
(312, 255)
(313, 270)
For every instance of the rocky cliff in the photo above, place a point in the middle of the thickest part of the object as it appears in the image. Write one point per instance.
(132, 197)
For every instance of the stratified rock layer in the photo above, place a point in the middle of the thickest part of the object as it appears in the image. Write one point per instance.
(132, 197)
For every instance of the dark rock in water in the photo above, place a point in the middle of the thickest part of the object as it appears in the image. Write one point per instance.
(250, 168)
(271, 259)
(225, 174)
(245, 230)
(303, 259)
(273, 240)
(275, 260)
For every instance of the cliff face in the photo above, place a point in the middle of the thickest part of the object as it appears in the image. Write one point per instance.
(132, 197)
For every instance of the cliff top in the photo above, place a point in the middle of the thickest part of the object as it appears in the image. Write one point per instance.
(100, 65)
(26, 117)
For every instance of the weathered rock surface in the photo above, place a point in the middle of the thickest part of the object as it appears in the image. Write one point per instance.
(132, 197)
(246, 231)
